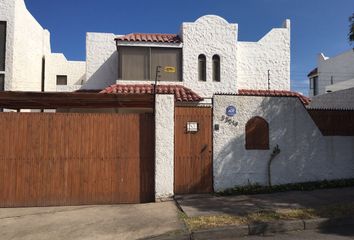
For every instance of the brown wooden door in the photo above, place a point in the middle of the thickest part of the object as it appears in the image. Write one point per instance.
(193, 151)
(51, 159)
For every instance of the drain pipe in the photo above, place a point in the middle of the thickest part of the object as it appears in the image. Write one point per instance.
(275, 153)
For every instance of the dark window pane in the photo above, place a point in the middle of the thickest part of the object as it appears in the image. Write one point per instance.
(2, 45)
(2, 86)
(257, 134)
(134, 63)
(2, 82)
(216, 68)
(202, 67)
(315, 86)
(62, 80)
(167, 57)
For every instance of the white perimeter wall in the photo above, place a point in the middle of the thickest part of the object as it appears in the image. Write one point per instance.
(164, 146)
(57, 64)
(272, 52)
(340, 67)
(305, 155)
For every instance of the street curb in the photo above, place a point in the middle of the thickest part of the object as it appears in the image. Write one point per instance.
(216, 233)
(274, 227)
(262, 228)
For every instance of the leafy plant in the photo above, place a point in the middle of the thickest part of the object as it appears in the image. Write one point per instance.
(305, 186)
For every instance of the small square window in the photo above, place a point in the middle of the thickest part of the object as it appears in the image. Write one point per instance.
(62, 80)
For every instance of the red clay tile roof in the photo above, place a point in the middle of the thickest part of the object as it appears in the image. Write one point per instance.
(150, 37)
(274, 93)
(182, 94)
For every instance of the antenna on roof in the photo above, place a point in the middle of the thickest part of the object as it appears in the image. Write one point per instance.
(269, 79)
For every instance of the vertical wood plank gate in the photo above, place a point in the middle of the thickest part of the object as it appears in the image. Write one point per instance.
(56, 159)
(193, 151)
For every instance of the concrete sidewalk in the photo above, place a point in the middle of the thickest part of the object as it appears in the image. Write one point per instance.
(207, 205)
(133, 221)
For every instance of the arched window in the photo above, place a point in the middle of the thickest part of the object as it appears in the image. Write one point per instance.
(216, 68)
(257, 134)
(202, 67)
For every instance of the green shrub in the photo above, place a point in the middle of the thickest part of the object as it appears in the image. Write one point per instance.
(305, 186)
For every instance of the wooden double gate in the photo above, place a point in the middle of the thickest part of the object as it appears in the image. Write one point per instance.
(56, 159)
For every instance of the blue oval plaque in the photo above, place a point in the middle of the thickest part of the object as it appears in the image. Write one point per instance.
(230, 111)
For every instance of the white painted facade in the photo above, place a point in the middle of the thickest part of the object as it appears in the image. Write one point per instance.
(340, 85)
(271, 53)
(210, 35)
(306, 155)
(27, 43)
(57, 64)
(244, 65)
(102, 60)
(335, 70)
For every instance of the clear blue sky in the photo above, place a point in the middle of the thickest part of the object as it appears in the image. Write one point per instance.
(317, 25)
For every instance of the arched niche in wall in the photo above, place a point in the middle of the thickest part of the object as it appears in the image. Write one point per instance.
(216, 68)
(202, 67)
(257, 134)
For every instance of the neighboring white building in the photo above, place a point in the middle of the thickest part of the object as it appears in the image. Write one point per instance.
(26, 62)
(332, 74)
(206, 54)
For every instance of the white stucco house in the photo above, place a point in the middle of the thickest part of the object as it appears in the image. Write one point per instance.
(27, 63)
(221, 106)
(30, 65)
(206, 54)
(332, 73)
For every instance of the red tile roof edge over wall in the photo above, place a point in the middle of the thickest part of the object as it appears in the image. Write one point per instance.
(182, 94)
(150, 37)
(274, 93)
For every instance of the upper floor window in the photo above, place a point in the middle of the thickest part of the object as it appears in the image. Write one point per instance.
(314, 81)
(2, 86)
(62, 80)
(202, 67)
(257, 134)
(216, 68)
(2, 82)
(2, 45)
(140, 63)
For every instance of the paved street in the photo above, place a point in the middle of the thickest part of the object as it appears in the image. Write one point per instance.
(89, 222)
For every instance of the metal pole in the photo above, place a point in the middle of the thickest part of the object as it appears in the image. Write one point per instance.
(268, 79)
(158, 69)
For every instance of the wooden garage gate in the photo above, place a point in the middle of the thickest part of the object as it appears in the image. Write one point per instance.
(56, 159)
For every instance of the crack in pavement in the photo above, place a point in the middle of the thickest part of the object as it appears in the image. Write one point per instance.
(46, 213)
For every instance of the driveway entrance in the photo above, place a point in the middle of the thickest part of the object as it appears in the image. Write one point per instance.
(62, 159)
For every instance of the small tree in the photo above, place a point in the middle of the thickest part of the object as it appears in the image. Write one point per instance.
(351, 29)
